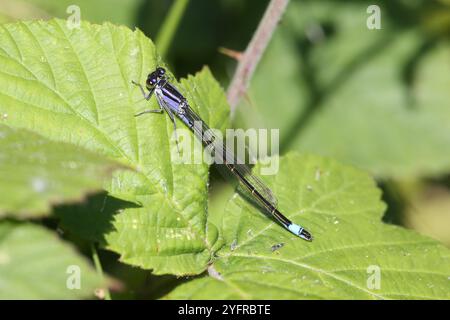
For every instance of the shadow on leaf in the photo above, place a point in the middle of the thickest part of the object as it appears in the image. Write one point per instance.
(93, 219)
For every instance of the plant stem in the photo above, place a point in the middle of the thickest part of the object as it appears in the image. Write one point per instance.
(98, 267)
(252, 55)
(170, 25)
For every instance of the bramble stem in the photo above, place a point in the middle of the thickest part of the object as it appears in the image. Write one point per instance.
(170, 25)
(252, 55)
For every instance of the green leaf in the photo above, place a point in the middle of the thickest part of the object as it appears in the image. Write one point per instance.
(75, 86)
(35, 264)
(36, 173)
(116, 11)
(374, 98)
(341, 206)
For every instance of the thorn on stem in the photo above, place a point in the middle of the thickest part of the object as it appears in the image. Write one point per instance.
(237, 55)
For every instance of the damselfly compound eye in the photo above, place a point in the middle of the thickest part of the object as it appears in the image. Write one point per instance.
(160, 71)
(151, 80)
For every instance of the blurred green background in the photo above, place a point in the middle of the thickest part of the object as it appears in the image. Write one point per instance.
(377, 99)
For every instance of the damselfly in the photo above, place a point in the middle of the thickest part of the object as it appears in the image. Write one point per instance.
(175, 104)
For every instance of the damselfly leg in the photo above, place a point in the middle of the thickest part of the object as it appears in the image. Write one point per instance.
(146, 97)
(162, 107)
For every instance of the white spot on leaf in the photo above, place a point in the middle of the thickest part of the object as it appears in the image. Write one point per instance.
(39, 185)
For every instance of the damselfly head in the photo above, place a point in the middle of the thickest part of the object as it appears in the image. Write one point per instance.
(154, 77)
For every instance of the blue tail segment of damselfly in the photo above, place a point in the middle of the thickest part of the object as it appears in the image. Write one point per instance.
(175, 104)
